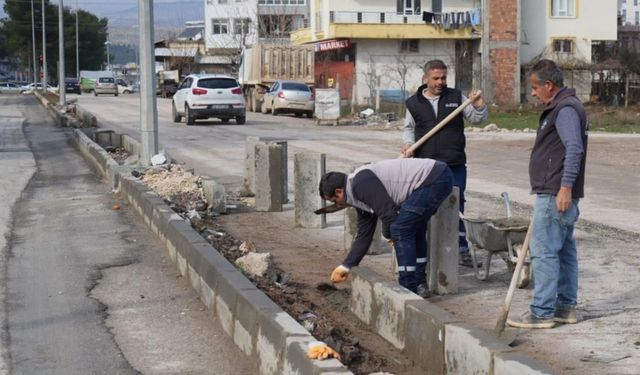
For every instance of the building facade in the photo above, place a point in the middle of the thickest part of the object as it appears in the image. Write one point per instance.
(565, 30)
(366, 46)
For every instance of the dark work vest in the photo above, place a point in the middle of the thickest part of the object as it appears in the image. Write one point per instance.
(448, 143)
(546, 164)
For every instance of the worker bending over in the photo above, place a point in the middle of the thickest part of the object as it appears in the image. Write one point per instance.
(403, 193)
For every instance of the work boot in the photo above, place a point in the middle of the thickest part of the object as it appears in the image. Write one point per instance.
(423, 291)
(566, 315)
(466, 261)
(528, 320)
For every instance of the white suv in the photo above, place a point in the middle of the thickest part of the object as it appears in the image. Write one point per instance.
(202, 96)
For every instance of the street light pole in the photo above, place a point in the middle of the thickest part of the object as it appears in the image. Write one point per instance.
(148, 110)
(33, 46)
(61, 88)
(108, 63)
(44, 51)
(77, 46)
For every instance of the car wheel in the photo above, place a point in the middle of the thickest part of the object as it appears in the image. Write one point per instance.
(241, 120)
(274, 111)
(188, 115)
(127, 92)
(176, 116)
(224, 120)
(95, 93)
(116, 94)
(298, 114)
(263, 108)
(309, 114)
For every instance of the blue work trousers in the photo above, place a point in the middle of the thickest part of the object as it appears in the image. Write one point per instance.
(554, 257)
(408, 231)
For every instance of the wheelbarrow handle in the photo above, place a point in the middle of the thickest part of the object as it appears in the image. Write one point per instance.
(507, 204)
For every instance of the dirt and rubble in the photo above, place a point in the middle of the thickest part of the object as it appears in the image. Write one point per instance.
(119, 154)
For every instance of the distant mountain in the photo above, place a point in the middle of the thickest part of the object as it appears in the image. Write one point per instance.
(166, 14)
(169, 15)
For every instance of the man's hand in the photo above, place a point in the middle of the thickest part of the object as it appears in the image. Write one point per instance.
(476, 99)
(320, 350)
(340, 274)
(405, 150)
(563, 199)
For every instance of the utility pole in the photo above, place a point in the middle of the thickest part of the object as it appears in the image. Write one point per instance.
(108, 62)
(148, 110)
(77, 46)
(61, 88)
(33, 46)
(44, 52)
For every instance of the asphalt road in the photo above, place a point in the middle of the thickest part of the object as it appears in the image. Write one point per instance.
(497, 162)
(88, 289)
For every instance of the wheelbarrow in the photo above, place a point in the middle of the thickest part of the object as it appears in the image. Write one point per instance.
(501, 235)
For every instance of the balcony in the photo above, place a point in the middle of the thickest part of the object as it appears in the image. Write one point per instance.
(381, 25)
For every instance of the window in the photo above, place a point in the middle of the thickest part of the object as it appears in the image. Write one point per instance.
(222, 1)
(282, 2)
(563, 46)
(563, 8)
(408, 7)
(217, 83)
(274, 25)
(624, 16)
(409, 45)
(637, 18)
(293, 86)
(241, 26)
(220, 26)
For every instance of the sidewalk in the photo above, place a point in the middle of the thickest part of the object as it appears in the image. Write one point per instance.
(88, 288)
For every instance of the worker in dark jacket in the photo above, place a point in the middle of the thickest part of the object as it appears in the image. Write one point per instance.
(403, 194)
(431, 104)
(556, 173)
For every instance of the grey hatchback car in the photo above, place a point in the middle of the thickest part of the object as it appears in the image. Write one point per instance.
(289, 96)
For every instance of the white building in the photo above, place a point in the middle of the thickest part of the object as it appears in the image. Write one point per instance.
(389, 41)
(629, 10)
(564, 30)
(234, 24)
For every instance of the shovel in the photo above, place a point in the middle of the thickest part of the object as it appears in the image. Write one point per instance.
(504, 309)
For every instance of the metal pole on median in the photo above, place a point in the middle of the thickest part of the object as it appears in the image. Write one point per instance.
(61, 88)
(148, 110)
(33, 47)
(44, 51)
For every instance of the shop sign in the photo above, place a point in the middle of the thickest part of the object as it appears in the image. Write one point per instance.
(329, 45)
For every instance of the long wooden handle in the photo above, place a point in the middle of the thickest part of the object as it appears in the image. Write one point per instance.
(440, 125)
(504, 309)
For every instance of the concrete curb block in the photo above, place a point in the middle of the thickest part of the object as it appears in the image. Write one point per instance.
(259, 327)
(86, 118)
(433, 338)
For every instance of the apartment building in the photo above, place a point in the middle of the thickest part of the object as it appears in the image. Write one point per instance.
(234, 24)
(363, 44)
(564, 30)
(629, 11)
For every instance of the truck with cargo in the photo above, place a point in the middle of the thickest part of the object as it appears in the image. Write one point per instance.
(264, 64)
(168, 81)
(88, 78)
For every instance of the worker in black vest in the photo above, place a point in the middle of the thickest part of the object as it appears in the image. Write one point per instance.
(556, 173)
(431, 104)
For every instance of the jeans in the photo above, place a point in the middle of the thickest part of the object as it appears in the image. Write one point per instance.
(408, 231)
(460, 180)
(554, 257)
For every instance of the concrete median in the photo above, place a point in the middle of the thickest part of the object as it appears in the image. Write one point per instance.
(259, 327)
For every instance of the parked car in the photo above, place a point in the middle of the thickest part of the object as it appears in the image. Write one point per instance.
(9, 88)
(72, 86)
(209, 95)
(124, 87)
(28, 89)
(289, 96)
(105, 85)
